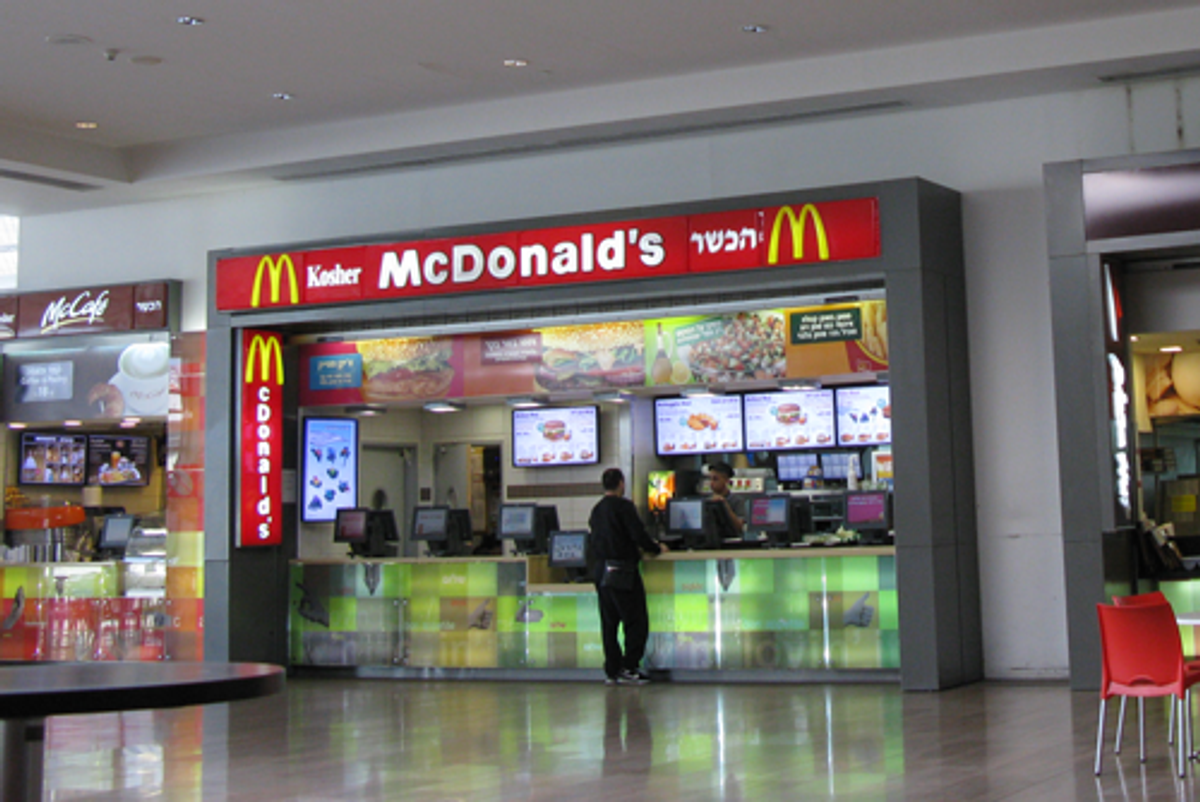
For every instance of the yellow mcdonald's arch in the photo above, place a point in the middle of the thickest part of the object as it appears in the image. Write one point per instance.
(796, 227)
(264, 348)
(273, 269)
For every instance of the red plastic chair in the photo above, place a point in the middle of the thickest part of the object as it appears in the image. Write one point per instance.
(1153, 597)
(1141, 599)
(1141, 656)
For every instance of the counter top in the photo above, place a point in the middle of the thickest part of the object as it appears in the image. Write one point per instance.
(806, 552)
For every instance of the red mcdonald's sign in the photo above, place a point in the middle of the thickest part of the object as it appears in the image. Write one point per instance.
(262, 439)
(584, 254)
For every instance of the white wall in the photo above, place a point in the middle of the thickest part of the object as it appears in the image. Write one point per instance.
(993, 153)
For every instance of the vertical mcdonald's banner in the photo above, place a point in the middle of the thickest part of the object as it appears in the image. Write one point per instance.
(262, 439)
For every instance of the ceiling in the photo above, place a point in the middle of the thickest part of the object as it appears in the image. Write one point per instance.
(384, 84)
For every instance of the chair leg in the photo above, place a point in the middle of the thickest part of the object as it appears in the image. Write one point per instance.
(1182, 736)
(1100, 734)
(1141, 729)
(1171, 725)
(1120, 726)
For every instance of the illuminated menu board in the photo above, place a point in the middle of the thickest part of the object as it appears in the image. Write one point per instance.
(864, 415)
(784, 421)
(330, 467)
(698, 425)
(554, 436)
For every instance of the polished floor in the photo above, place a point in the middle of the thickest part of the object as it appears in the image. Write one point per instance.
(445, 742)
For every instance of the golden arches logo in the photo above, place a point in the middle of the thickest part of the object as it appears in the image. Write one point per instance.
(797, 225)
(273, 270)
(264, 348)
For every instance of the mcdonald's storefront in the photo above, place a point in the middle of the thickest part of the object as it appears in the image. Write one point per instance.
(609, 313)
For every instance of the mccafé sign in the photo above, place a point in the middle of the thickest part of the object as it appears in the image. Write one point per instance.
(738, 240)
(262, 439)
(86, 310)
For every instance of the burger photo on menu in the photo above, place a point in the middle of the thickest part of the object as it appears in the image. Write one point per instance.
(592, 356)
(405, 369)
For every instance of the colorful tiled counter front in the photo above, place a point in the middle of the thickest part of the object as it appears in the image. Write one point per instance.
(782, 611)
(76, 612)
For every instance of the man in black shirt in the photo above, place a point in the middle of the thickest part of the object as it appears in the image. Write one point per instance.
(618, 539)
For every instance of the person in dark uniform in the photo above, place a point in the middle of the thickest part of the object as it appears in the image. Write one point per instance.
(618, 539)
(719, 474)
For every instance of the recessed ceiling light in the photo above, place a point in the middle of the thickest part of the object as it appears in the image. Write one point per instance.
(72, 423)
(755, 29)
(188, 19)
(16, 425)
(68, 39)
(515, 62)
(1171, 349)
(283, 96)
(87, 125)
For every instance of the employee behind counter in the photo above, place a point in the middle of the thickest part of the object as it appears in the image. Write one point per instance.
(719, 475)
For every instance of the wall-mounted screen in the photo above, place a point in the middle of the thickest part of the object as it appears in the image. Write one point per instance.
(329, 480)
(118, 460)
(797, 467)
(698, 425)
(789, 420)
(53, 458)
(548, 437)
(864, 415)
(836, 465)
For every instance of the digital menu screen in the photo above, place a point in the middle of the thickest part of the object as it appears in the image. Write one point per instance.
(698, 425)
(554, 436)
(329, 481)
(53, 459)
(118, 460)
(864, 415)
(784, 421)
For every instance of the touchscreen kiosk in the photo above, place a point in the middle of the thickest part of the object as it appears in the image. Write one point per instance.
(431, 524)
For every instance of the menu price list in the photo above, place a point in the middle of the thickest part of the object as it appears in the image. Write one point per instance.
(864, 415)
(698, 424)
(789, 420)
(555, 436)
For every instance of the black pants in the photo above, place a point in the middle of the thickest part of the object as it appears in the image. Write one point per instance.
(627, 609)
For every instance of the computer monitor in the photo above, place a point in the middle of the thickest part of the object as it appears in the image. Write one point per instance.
(369, 533)
(516, 522)
(685, 516)
(568, 550)
(528, 526)
(431, 524)
(114, 534)
(769, 514)
(869, 512)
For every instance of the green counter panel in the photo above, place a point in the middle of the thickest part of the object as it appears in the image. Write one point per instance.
(834, 612)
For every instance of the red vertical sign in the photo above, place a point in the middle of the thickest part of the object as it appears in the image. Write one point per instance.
(262, 439)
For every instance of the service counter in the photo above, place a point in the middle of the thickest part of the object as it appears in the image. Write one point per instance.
(822, 613)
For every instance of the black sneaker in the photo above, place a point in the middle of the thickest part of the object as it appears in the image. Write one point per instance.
(627, 677)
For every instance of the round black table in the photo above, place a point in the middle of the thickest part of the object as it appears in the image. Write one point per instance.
(29, 692)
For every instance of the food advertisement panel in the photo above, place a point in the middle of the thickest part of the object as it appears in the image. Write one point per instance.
(118, 460)
(785, 420)
(724, 350)
(698, 425)
(837, 338)
(555, 436)
(864, 415)
(53, 459)
(716, 350)
(330, 475)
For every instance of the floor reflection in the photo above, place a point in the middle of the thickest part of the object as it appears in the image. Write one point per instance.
(382, 740)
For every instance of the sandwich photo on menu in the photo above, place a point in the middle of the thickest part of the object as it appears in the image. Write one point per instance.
(405, 369)
(590, 357)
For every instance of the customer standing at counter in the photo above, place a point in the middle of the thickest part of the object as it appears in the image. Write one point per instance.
(618, 539)
(719, 474)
